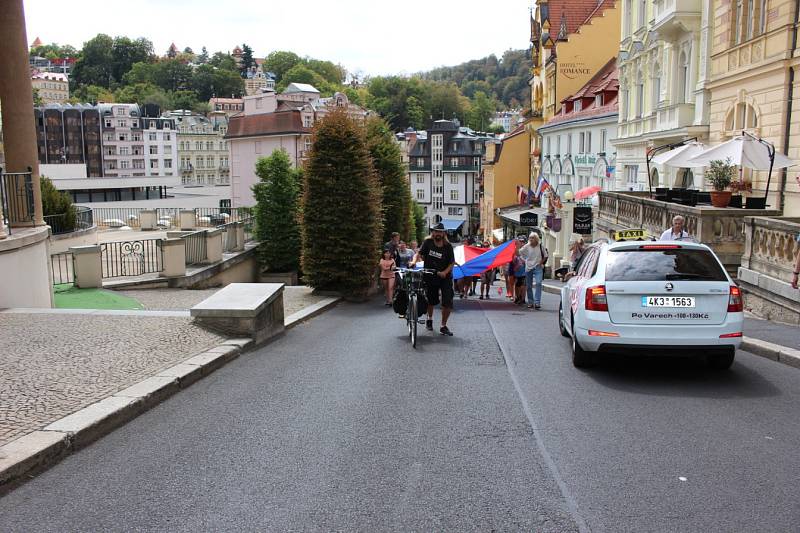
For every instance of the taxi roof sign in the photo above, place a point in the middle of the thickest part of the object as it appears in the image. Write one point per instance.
(631, 235)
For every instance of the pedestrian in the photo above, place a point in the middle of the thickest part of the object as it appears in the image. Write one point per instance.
(487, 278)
(413, 246)
(387, 265)
(676, 232)
(535, 256)
(519, 274)
(392, 244)
(576, 250)
(404, 255)
(796, 262)
(437, 254)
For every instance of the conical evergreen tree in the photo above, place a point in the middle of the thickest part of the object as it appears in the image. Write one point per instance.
(392, 176)
(276, 213)
(341, 209)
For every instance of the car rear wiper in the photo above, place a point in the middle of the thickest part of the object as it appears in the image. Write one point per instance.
(689, 276)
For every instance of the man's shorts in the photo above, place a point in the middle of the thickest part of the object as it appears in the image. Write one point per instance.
(434, 285)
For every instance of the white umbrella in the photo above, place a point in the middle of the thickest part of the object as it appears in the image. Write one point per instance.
(746, 151)
(680, 157)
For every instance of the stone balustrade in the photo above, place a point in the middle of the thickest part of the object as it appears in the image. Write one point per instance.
(720, 228)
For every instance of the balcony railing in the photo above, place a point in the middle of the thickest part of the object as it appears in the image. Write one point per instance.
(721, 229)
(131, 258)
(63, 223)
(16, 197)
(771, 245)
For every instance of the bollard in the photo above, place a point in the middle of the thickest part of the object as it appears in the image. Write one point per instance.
(87, 263)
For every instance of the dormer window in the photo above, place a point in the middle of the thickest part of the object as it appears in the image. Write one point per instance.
(598, 100)
(577, 105)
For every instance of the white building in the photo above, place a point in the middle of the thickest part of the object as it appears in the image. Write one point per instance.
(160, 144)
(577, 149)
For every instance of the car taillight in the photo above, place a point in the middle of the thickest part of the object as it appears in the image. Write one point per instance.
(596, 298)
(735, 302)
(731, 335)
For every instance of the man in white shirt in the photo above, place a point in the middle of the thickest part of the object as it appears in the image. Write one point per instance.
(676, 232)
(535, 256)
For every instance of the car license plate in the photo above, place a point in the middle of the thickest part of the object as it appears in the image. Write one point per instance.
(667, 301)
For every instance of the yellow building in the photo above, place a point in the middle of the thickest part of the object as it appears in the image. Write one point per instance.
(755, 87)
(53, 87)
(505, 168)
(571, 40)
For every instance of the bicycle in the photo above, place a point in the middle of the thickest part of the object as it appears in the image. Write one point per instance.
(413, 283)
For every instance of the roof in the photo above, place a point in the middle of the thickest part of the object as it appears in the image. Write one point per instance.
(575, 13)
(55, 76)
(282, 122)
(226, 100)
(605, 81)
(300, 88)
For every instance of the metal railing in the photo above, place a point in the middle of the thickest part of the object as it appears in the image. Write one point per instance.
(249, 227)
(62, 268)
(131, 258)
(195, 244)
(68, 222)
(168, 217)
(16, 197)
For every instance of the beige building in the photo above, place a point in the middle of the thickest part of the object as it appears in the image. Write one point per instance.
(202, 148)
(754, 85)
(228, 106)
(53, 87)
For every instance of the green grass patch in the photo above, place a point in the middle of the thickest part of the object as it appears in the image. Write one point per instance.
(67, 296)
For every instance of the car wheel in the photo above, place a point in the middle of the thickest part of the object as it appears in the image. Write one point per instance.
(721, 361)
(580, 357)
(561, 328)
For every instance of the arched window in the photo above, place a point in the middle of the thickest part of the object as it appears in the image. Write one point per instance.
(684, 178)
(654, 177)
(740, 117)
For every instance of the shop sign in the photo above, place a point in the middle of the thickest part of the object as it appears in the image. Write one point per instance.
(582, 220)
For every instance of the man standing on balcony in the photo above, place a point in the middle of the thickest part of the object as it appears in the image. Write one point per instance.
(676, 232)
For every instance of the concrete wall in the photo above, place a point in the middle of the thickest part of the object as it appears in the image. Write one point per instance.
(244, 154)
(245, 271)
(62, 243)
(25, 268)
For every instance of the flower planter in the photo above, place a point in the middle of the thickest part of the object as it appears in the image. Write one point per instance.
(720, 198)
(553, 223)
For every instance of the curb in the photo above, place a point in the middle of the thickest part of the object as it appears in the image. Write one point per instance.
(33, 453)
(775, 352)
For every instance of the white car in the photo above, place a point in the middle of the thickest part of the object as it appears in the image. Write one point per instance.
(651, 297)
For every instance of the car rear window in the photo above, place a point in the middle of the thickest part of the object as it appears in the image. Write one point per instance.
(663, 265)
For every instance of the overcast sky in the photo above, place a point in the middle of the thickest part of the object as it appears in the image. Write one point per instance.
(371, 36)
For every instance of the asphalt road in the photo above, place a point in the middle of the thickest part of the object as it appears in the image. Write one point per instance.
(339, 425)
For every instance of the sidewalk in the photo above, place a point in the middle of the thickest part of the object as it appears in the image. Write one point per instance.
(773, 340)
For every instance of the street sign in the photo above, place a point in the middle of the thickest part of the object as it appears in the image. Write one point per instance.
(582, 220)
(530, 219)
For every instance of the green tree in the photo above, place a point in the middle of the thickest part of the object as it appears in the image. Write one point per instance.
(415, 113)
(279, 62)
(223, 61)
(95, 66)
(55, 202)
(391, 173)
(276, 213)
(247, 58)
(91, 94)
(329, 71)
(183, 100)
(481, 112)
(126, 52)
(301, 74)
(37, 100)
(341, 216)
(420, 229)
(208, 81)
(495, 128)
(143, 93)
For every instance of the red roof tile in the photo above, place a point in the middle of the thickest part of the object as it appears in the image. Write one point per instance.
(577, 13)
(606, 81)
(282, 122)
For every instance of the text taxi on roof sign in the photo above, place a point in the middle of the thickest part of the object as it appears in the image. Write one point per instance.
(632, 235)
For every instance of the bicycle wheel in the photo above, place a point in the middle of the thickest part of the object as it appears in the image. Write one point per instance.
(414, 321)
(409, 318)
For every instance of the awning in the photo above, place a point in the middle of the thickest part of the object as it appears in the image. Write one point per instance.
(452, 224)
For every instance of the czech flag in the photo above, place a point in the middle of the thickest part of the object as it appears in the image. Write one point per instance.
(494, 258)
(466, 253)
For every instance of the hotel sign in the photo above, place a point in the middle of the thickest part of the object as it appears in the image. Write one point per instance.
(574, 69)
(585, 160)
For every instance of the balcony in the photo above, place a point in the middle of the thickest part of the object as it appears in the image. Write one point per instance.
(457, 168)
(674, 117)
(675, 17)
(721, 229)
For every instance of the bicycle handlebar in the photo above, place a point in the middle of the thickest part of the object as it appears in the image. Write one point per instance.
(420, 270)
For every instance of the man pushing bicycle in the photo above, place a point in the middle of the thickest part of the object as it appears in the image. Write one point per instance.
(438, 255)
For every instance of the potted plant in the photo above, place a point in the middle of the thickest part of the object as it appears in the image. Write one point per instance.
(720, 175)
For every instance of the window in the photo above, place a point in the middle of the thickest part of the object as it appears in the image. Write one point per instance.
(660, 265)
(438, 202)
(454, 195)
(124, 150)
(152, 124)
(306, 121)
(420, 162)
(603, 139)
(683, 78)
(198, 145)
(588, 145)
(639, 95)
(134, 124)
(108, 123)
(631, 175)
(154, 163)
(598, 100)
(656, 96)
(568, 149)
(122, 123)
(558, 144)
(168, 163)
(199, 162)
(581, 143)
(209, 145)
(629, 20)
(154, 150)
(210, 161)
(549, 145)
(137, 137)
(577, 105)
(453, 179)
(420, 194)
(123, 164)
(123, 137)
(167, 136)
(420, 178)
(120, 111)
(152, 136)
(454, 161)
(642, 12)
(223, 162)
(138, 163)
(307, 145)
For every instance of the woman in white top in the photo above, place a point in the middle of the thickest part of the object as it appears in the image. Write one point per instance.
(535, 256)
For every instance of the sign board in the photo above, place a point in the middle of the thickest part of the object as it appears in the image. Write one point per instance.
(631, 235)
(582, 220)
(530, 219)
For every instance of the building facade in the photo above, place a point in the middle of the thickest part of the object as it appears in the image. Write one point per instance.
(160, 142)
(53, 87)
(203, 153)
(444, 170)
(70, 135)
(228, 106)
(577, 142)
(664, 98)
(754, 85)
